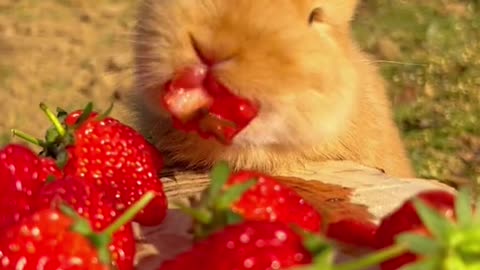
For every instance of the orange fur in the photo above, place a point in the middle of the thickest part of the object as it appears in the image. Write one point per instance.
(321, 98)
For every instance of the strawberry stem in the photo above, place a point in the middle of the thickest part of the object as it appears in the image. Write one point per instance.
(26, 137)
(373, 259)
(54, 119)
(130, 213)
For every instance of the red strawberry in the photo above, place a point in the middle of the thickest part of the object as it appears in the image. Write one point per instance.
(22, 174)
(406, 219)
(269, 200)
(249, 196)
(253, 245)
(199, 103)
(44, 241)
(113, 156)
(359, 233)
(89, 203)
(72, 118)
(53, 239)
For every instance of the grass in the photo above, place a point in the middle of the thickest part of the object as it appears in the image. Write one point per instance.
(433, 49)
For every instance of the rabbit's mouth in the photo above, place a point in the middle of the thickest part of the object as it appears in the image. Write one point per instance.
(198, 103)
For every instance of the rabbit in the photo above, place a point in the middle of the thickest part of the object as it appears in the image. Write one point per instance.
(321, 97)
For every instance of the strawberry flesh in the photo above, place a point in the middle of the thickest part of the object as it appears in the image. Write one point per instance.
(199, 103)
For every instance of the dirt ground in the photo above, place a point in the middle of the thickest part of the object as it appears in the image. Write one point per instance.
(64, 53)
(69, 52)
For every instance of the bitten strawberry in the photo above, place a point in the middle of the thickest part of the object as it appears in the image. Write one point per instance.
(113, 156)
(253, 245)
(406, 219)
(199, 103)
(91, 204)
(22, 173)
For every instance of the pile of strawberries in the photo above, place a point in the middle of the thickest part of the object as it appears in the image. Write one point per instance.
(248, 220)
(71, 206)
(94, 168)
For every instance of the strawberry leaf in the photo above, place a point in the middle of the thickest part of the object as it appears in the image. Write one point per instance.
(468, 241)
(233, 194)
(51, 135)
(425, 264)
(438, 225)
(200, 215)
(62, 159)
(53, 118)
(453, 261)
(61, 114)
(85, 114)
(314, 243)
(101, 242)
(233, 218)
(419, 244)
(105, 114)
(323, 260)
(219, 176)
(463, 207)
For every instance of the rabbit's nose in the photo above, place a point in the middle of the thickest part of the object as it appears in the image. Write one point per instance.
(211, 55)
(201, 52)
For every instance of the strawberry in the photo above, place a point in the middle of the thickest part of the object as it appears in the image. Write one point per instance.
(269, 200)
(44, 241)
(250, 245)
(89, 203)
(111, 155)
(354, 232)
(198, 103)
(72, 118)
(52, 239)
(234, 198)
(22, 174)
(406, 219)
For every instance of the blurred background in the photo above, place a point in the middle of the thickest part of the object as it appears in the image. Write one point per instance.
(69, 52)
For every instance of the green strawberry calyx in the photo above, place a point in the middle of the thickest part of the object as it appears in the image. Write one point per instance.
(213, 211)
(60, 136)
(452, 244)
(101, 240)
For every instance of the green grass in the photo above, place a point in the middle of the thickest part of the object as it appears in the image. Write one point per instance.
(434, 78)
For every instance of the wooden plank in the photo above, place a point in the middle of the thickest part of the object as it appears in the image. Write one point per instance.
(340, 188)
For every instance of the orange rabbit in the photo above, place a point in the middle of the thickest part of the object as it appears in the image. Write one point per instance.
(321, 97)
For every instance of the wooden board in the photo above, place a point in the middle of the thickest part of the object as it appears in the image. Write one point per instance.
(337, 188)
